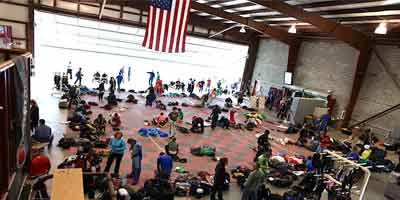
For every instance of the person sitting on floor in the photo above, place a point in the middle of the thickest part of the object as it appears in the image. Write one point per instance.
(324, 142)
(251, 123)
(197, 125)
(354, 155)
(112, 99)
(115, 120)
(43, 133)
(303, 134)
(160, 120)
(160, 105)
(224, 122)
(172, 148)
(228, 102)
(87, 130)
(100, 124)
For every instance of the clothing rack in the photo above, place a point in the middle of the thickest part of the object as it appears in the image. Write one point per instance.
(350, 163)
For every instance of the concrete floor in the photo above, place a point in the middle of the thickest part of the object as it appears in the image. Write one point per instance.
(55, 118)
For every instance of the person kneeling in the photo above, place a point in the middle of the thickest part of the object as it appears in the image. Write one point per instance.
(197, 125)
(115, 120)
(172, 148)
(160, 120)
(100, 124)
(43, 133)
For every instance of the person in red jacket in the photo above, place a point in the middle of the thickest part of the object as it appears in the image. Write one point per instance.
(324, 141)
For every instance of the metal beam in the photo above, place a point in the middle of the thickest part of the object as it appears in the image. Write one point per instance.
(361, 69)
(102, 8)
(354, 38)
(275, 33)
(294, 49)
(250, 62)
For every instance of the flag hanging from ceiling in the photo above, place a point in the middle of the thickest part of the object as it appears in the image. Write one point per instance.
(167, 23)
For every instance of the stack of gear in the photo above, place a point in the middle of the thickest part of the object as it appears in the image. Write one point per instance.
(131, 99)
(66, 143)
(204, 150)
(240, 173)
(189, 185)
(173, 103)
(156, 189)
(154, 132)
(281, 179)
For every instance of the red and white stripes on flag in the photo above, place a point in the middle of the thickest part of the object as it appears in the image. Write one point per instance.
(166, 28)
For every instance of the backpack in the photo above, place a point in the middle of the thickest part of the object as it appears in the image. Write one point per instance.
(66, 143)
(377, 155)
(183, 129)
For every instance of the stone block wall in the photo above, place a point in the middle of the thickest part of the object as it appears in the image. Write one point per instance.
(270, 64)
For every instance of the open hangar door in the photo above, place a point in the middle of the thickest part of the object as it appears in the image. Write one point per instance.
(106, 48)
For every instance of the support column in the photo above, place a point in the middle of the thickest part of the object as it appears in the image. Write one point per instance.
(361, 69)
(250, 62)
(294, 49)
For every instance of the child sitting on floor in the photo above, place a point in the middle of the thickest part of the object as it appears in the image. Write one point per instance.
(115, 120)
(160, 120)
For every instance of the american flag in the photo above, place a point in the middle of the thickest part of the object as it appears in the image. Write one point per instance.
(166, 25)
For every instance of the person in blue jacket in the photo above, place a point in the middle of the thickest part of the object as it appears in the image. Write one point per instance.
(118, 146)
(164, 165)
(120, 78)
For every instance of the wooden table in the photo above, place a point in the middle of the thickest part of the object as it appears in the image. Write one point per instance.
(67, 184)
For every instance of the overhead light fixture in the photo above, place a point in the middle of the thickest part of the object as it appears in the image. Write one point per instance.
(292, 29)
(381, 29)
(242, 30)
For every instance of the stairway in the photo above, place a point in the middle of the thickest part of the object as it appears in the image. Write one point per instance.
(377, 116)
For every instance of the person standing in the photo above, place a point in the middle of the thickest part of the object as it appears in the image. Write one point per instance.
(252, 184)
(78, 76)
(118, 146)
(101, 91)
(158, 76)
(214, 117)
(173, 116)
(219, 179)
(120, 78)
(164, 166)
(112, 85)
(208, 85)
(151, 77)
(129, 73)
(69, 70)
(136, 155)
(34, 115)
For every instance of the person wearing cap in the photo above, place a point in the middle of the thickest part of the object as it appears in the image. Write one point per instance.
(172, 148)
